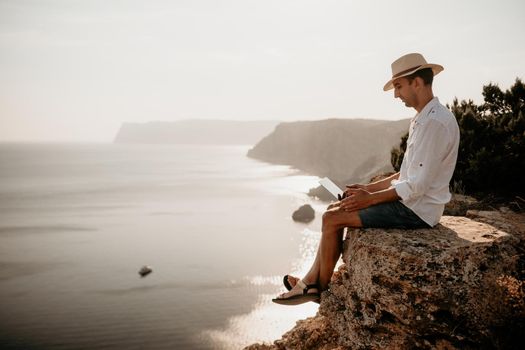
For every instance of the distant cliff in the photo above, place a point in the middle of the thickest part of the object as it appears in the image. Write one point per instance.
(195, 132)
(343, 149)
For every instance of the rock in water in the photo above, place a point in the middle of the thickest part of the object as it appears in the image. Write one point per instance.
(304, 214)
(459, 285)
(145, 270)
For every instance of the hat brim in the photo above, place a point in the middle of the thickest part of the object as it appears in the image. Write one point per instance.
(436, 69)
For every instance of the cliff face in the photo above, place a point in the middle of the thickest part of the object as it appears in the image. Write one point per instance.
(459, 285)
(343, 149)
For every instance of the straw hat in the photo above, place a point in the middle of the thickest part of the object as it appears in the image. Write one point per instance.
(408, 64)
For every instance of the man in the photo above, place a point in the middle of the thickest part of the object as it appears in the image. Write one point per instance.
(412, 198)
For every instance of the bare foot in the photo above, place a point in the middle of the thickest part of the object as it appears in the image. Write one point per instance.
(297, 290)
(292, 280)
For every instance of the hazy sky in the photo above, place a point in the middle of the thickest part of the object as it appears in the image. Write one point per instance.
(74, 70)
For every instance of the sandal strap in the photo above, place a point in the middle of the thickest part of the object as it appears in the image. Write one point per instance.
(306, 287)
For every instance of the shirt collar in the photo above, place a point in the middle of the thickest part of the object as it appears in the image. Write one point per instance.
(428, 107)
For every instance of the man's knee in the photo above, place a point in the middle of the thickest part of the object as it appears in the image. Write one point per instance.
(329, 216)
(338, 218)
(333, 205)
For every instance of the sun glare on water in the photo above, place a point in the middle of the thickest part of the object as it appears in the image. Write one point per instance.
(268, 321)
(292, 184)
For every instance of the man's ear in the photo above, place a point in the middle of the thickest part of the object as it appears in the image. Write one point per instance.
(418, 82)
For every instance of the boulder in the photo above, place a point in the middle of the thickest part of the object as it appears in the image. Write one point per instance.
(305, 214)
(459, 205)
(459, 285)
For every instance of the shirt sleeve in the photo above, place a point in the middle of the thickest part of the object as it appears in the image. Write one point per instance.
(428, 153)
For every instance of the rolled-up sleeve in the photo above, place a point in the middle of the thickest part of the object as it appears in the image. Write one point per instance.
(426, 159)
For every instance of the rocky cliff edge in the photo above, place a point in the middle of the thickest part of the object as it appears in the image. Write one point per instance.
(459, 285)
(338, 148)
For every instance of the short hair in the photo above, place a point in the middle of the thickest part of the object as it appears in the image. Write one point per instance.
(426, 74)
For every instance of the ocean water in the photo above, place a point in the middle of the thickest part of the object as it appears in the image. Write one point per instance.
(77, 222)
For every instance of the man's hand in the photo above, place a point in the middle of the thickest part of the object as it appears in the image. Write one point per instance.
(356, 198)
(347, 192)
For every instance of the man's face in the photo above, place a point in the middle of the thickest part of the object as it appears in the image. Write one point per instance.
(405, 90)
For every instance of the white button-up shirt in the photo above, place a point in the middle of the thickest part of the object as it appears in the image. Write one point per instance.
(429, 162)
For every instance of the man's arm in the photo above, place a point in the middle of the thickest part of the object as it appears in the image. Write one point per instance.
(374, 186)
(382, 184)
(359, 198)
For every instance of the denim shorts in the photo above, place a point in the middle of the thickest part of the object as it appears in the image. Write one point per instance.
(391, 215)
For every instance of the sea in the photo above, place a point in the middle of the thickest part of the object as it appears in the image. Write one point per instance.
(78, 221)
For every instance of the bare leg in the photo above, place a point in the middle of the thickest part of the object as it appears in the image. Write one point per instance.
(312, 276)
(330, 247)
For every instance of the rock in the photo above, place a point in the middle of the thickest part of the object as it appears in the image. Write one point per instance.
(145, 270)
(505, 209)
(459, 205)
(304, 214)
(312, 333)
(459, 285)
(322, 194)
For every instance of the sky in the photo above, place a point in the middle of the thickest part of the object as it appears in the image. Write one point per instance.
(75, 70)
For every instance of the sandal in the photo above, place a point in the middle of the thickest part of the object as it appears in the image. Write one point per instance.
(300, 298)
(287, 283)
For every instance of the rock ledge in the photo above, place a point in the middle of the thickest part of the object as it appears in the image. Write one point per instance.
(459, 285)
